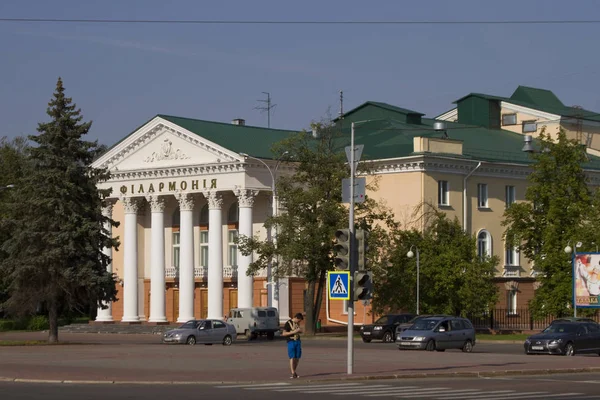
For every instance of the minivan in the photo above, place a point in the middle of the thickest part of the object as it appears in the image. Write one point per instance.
(255, 321)
(438, 333)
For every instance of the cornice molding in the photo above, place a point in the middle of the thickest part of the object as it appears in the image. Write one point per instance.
(450, 166)
(176, 172)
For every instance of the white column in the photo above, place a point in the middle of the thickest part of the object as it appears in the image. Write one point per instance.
(130, 255)
(186, 258)
(105, 315)
(245, 282)
(157, 259)
(215, 255)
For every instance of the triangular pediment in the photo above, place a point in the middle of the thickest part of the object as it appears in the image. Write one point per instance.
(163, 144)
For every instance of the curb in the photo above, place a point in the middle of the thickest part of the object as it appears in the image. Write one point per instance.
(466, 374)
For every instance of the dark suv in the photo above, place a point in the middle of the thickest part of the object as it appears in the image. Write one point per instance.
(384, 328)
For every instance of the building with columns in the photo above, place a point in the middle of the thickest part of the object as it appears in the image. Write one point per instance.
(182, 198)
(183, 191)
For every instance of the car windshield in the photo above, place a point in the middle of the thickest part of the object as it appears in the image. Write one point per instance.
(190, 325)
(383, 320)
(560, 328)
(424, 325)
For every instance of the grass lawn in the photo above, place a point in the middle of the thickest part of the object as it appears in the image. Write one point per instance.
(23, 343)
(512, 336)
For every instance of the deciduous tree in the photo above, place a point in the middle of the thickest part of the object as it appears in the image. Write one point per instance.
(557, 207)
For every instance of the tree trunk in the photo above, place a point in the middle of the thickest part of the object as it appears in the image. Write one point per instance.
(319, 297)
(53, 321)
(309, 305)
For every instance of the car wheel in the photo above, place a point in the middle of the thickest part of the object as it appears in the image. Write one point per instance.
(467, 347)
(365, 340)
(387, 337)
(191, 341)
(569, 349)
(270, 335)
(430, 345)
(227, 341)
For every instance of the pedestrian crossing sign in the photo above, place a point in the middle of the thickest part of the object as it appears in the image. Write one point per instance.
(338, 283)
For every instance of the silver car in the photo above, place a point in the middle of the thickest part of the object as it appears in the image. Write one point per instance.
(438, 333)
(204, 331)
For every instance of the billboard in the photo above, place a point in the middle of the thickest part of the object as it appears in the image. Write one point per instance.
(586, 279)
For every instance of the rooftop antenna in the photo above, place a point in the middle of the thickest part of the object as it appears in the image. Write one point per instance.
(267, 107)
(342, 104)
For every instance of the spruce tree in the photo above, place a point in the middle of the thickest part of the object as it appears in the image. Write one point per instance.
(54, 259)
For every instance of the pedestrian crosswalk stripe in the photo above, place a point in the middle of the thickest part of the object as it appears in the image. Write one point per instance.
(348, 390)
(432, 392)
(476, 395)
(316, 387)
(411, 390)
(261, 385)
(404, 392)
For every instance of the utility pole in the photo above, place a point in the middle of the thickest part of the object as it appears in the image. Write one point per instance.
(341, 104)
(352, 259)
(267, 107)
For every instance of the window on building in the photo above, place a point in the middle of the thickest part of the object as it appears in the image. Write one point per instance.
(511, 302)
(529, 126)
(484, 244)
(509, 119)
(511, 256)
(232, 234)
(204, 236)
(510, 195)
(232, 255)
(443, 193)
(482, 195)
(176, 252)
(175, 239)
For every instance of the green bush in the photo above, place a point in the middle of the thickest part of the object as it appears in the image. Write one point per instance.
(38, 323)
(6, 325)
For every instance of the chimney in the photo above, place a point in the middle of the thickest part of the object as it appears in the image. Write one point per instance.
(239, 121)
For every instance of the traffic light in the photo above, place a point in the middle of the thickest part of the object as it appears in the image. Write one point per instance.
(361, 249)
(363, 285)
(342, 249)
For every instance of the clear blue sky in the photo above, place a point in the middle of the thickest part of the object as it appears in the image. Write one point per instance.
(122, 75)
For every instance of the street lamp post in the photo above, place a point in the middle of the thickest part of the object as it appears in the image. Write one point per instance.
(568, 250)
(272, 283)
(410, 254)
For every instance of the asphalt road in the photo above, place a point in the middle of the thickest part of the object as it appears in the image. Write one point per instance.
(575, 387)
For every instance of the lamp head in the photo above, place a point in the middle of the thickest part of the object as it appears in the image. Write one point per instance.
(568, 249)
(410, 254)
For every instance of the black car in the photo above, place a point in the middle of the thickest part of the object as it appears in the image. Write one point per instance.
(565, 338)
(404, 326)
(384, 328)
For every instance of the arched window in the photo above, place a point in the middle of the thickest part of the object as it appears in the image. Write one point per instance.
(484, 244)
(175, 220)
(233, 217)
(204, 236)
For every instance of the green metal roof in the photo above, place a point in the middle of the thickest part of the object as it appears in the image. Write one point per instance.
(539, 99)
(252, 140)
(385, 106)
(385, 139)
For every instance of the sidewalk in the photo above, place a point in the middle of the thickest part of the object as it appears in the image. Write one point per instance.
(143, 359)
